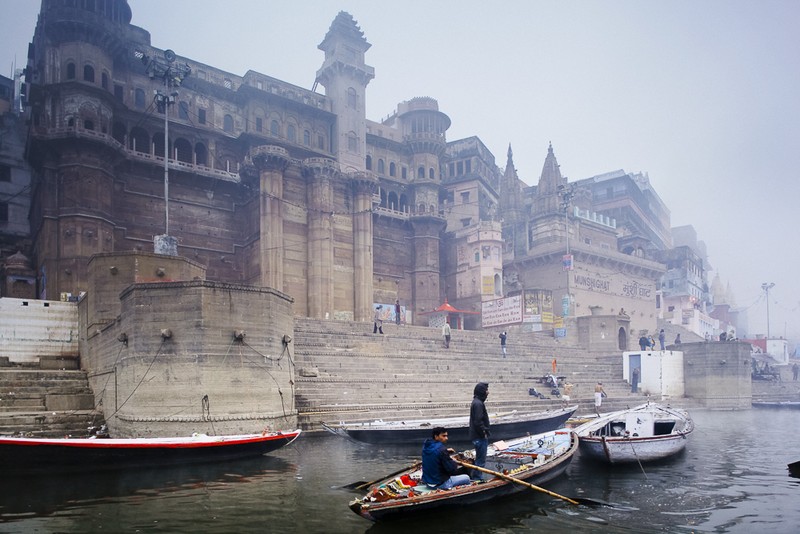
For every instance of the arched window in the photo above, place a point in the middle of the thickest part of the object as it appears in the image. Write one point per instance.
(498, 285)
(421, 172)
(70, 71)
(274, 128)
(306, 138)
(88, 125)
(431, 173)
(138, 98)
(392, 169)
(158, 144)
(393, 203)
(183, 150)
(201, 154)
(227, 123)
(352, 98)
(104, 80)
(381, 166)
(403, 203)
(139, 141)
(88, 73)
(383, 198)
(369, 162)
(291, 133)
(421, 208)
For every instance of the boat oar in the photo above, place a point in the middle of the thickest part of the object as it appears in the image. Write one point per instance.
(516, 481)
(361, 484)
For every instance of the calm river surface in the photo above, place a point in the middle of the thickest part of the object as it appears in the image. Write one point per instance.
(731, 478)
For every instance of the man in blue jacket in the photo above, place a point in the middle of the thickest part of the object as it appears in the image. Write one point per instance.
(438, 468)
(479, 426)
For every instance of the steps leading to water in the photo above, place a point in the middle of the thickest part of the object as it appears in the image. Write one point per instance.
(344, 372)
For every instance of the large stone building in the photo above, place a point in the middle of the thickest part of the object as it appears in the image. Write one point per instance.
(268, 184)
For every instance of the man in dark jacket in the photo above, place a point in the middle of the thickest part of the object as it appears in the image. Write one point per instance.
(438, 468)
(479, 425)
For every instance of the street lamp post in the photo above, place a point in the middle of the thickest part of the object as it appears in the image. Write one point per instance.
(766, 287)
(173, 74)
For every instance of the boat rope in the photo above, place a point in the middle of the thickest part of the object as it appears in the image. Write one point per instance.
(205, 408)
(163, 340)
(638, 461)
(257, 364)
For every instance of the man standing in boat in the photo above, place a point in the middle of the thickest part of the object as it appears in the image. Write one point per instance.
(479, 426)
(438, 468)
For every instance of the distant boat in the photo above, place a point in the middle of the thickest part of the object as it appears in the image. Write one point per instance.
(531, 459)
(794, 469)
(776, 404)
(503, 426)
(93, 454)
(644, 433)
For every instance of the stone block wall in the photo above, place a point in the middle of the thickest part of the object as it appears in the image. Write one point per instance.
(30, 329)
(718, 373)
(194, 356)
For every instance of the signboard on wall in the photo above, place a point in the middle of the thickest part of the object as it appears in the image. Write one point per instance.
(500, 312)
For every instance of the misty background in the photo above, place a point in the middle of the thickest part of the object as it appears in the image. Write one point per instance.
(704, 97)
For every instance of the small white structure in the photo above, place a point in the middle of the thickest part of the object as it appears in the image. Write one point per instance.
(660, 372)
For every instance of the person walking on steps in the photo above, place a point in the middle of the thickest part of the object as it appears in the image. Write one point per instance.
(479, 426)
(446, 335)
(503, 343)
(661, 338)
(599, 393)
(397, 311)
(377, 324)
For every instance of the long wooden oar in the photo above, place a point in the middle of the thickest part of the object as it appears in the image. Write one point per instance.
(516, 481)
(361, 484)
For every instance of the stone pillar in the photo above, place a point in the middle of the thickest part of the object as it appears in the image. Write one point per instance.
(271, 161)
(363, 186)
(320, 173)
(426, 273)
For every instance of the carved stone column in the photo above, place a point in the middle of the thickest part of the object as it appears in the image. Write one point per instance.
(320, 173)
(271, 161)
(364, 185)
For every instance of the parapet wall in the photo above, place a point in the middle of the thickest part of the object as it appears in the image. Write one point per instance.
(31, 329)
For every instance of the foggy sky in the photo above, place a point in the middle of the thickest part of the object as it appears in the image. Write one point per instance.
(703, 96)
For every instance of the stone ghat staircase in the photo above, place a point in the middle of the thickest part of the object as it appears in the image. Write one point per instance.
(346, 373)
(46, 403)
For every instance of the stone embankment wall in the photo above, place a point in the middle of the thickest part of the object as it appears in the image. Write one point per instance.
(718, 374)
(196, 356)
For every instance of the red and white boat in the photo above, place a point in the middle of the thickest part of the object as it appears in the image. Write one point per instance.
(92, 454)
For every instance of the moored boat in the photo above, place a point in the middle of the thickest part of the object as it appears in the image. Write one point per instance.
(503, 426)
(644, 433)
(28, 455)
(529, 460)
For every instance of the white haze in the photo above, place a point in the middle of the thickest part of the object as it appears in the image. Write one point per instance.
(702, 96)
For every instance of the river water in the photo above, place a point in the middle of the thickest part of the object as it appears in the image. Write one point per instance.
(732, 477)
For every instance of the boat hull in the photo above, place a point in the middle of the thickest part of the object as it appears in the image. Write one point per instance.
(628, 450)
(473, 493)
(505, 427)
(30, 455)
(641, 434)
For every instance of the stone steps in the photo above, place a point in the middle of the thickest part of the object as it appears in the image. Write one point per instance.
(50, 403)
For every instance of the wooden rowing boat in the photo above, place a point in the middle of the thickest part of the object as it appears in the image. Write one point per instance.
(644, 433)
(503, 426)
(533, 459)
(92, 454)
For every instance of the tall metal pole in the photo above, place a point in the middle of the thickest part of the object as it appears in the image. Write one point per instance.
(766, 287)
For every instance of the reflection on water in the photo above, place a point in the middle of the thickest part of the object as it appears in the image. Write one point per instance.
(731, 478)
